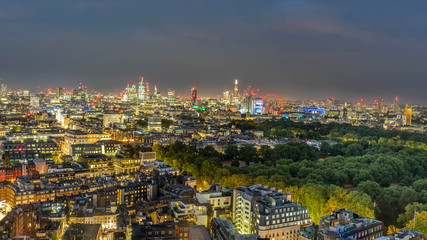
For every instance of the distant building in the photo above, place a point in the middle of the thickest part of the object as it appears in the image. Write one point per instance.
(154, 123)
(59, 92)
(28, 149)
(111, 118)
(98, 164)
(73, 137)
(193, 95)
(132, 193)
(408, 115)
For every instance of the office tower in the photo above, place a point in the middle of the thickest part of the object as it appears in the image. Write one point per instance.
(236, 88)
(3, 89)
(59, 92)
(396, 107)
(227, 97)
(147, 90)
(171, 94)
(268, 213)
(408, 114)
(344, 114)
(252, 105)
(133, 93)
(34, 102)
(141, 89)
(81, 92)
(379, 108)
(193, 94)
(258, 106)
(156, 92)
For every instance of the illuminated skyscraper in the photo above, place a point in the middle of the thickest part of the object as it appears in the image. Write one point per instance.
(396, 107)
(171, 94)
(236, 88)
(141, 89)
(3, 89)
(193, 94)
(59, 92)
(156, 92)
(408, 114)
(147, 90)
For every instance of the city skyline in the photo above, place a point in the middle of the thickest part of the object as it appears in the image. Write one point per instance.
(296, 49)
(187, 95)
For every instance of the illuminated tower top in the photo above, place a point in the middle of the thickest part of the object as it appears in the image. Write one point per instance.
(236, 88)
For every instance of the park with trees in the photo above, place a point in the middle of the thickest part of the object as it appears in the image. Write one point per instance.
(373, 172)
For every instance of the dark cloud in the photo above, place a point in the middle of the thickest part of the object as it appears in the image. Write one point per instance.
(296, 48)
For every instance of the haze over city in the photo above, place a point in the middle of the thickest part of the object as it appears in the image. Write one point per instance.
(213, 120)
(296, 49)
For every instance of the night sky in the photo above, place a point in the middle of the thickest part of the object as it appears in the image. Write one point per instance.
(347, 49)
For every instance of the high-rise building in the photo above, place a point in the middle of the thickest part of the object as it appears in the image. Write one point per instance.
(147, 90)
(408, 114)
(141, 89)
(251, 105)
(3, 89)
(268, 213)
(156, 92)
(35, 102)
(59, 92)
(258, 106)
(236, 88)
(396, 107)
(193, 94)
(171, 94)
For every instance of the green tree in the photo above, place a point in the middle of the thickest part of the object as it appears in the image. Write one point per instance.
(371, 188)
(410, 210)
(232, 152)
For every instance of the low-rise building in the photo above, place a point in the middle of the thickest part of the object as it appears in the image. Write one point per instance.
(218, 198)
(345, 224)
(404, 234)
(190, 210)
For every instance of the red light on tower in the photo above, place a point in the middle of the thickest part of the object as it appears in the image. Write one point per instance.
(361, 100)
(29, 115)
